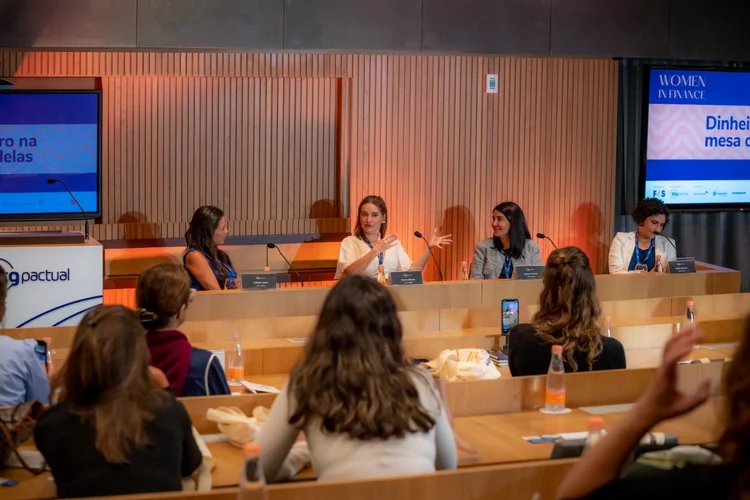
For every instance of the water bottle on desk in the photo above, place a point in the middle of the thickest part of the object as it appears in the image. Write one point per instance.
(607, 326)
(659, 265)
(252, 481)
(236, 362)
(49, 365)
(381, 275)
(596, 432)
(464, 270)
(555, 396)
(689, 319)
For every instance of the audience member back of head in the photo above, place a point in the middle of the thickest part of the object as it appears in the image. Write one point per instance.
(163, 296)
(365, 409)
(569, 314)
(113, 432)
(22, 374)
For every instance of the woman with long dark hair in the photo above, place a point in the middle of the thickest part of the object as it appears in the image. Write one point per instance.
(208, 266)
(510, 246)
(365, 409)
(114, 431)
(370, 245)
(569, 315)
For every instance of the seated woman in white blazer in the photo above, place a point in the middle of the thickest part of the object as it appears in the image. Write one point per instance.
(645, 245)
(370, 245)
(510, 245)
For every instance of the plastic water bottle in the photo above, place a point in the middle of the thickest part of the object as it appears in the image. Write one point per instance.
(381, 275)
(464, 270)
(596, 432)
(236, 362)
(49, 365)
(252, 481)
(607, 327)
(689, 319)
(555, 396)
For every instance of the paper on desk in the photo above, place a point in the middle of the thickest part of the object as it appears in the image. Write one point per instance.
(254, 388)
(723, 345)
(33, 458)
(605, 409)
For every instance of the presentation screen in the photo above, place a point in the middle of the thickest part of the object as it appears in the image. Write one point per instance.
(698, 138)
(49, 135)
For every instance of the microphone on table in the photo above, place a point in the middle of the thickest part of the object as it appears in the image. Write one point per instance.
(545, 237)
(670, 242)
(273, 245)
(52, 180)
(419, 235)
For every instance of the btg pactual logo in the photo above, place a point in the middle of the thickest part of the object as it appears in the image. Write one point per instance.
(17, 278)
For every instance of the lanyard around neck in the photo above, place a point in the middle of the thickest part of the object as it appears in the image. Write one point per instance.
(638, 250)
(381, 257)
(507, 264)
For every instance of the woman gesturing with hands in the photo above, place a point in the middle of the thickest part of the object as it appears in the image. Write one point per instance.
(597, 474)
(370, 245)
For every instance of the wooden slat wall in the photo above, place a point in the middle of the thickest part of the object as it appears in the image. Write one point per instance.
(255, 134)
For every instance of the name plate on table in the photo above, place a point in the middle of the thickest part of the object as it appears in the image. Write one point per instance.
(405, 278)
(259, 281)
(529, 272)
(683, 265)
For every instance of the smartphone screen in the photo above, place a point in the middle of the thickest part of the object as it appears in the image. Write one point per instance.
(41, 351)
(510, 315)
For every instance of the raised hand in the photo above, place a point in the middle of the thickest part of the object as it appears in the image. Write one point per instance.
(439, 241)
(384, 244)
(662, 400)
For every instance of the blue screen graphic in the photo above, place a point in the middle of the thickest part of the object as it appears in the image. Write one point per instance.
(698, 144)
(47, 135)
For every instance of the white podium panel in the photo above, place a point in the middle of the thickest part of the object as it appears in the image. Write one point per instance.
(51, 285)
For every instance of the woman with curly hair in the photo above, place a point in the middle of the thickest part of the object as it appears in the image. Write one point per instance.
(646, 246)
(569, 315)
(365, 409)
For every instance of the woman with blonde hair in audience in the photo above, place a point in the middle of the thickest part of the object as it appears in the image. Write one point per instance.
(365, 409)
(163, 296)
(23, 375)
(569, 315)
(114, 431)
(207, 265)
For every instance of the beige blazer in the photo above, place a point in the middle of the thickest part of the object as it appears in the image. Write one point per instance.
(623, 246)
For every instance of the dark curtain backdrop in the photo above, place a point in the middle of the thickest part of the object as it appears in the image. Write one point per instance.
(721, 238)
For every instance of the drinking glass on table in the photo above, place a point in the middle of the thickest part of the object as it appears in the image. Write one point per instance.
(233, 284)
(641, 268)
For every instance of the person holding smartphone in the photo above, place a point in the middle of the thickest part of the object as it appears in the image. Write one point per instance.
(23, 374)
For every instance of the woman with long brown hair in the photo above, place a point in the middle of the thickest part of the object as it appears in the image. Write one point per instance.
(113, 430)
(370, 245)
(208, 266)
(569, 314)
(163, 296)
(365, 409)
